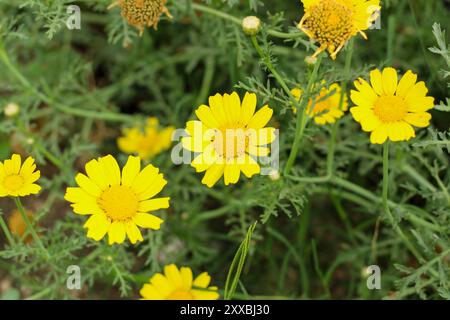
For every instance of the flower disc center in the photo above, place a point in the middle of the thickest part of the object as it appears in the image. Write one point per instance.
(390, 109)
(119, 202)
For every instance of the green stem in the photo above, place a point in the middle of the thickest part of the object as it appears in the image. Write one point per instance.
(301, 117)
(30, 226)
(6, 231)
(386, 205)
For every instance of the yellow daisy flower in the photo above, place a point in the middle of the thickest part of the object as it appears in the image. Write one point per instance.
(333, 22)
(228, 137)
(17, 179)
(389, 108)
(118, 202)
(178, 284)
(325, 107)
(142, 13)
(147, 143)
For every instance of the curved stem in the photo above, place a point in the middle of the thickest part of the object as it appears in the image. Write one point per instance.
(30, 226)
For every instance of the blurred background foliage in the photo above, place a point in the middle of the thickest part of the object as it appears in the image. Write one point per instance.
(78, 88)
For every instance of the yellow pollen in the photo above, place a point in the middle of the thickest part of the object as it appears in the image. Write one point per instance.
(390, 109)
(230, 143)
(180, 295)
(13, 182)
(330, 23)
(119, 203)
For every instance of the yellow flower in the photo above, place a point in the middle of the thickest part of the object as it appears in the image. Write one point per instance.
(228, 137)
(17, 179)
(325, 107)
(178, 284)
(333, 22)
(18, 226)
(117, 201)
(146, 144)
(142, 13)
(388, 108)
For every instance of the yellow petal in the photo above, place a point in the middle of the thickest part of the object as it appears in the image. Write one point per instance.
(260, 118)
(131, 170)
(116, 232)
(154, 204)
(213, 174)
(379, 135)
(202, 280)
(173, 275)
(376, 81)
(248, 108)
(97, 225)
(420, 119)
(95, 172)
(231, 173)
(406, 83)
(186, 277)
(149, 221)
(111, 169)
(205, 115)
(390, 80)
(88, 185)
(133, 232)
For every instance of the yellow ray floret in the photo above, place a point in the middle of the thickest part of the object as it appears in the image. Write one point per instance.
(146, 143)
(179, 284)
(118, 201)
(333, 22)
(229, 136)
(326, 106)
(17, 179)
(389, 108)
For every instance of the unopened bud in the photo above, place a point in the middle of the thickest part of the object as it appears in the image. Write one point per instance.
(12, 110)
(251, 25)
(310, 60)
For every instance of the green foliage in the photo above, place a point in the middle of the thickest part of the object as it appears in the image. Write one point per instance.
(318, 228)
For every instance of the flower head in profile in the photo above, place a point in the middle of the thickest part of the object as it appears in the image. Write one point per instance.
(17, 179)
(389, 108)
(142, 13)
(18, 226)
(146, 143)
(228, 137)
(118, 201)
(333, 22)
(325, 107)
(179, 284)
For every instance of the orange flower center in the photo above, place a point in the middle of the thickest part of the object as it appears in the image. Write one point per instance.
(390, 108)
(13, 182)
(330, 23)
(119, 203)
(180, 295)
(230, 143)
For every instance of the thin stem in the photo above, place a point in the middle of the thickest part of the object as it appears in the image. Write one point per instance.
(386, 205)
(30, 226)
(301, 117)
(6, 231)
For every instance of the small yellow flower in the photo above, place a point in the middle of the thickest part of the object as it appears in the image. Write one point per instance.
(389, 108)
(333, 22)
(17, 179)
(18, 226)
(178, 284)
(117, 201)
(228, 137)
(325, 107)
(142, 13)
(148, 143)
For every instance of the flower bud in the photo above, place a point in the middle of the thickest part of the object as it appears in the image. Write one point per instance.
(311, 60)
(251, 25)
(12, 110)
